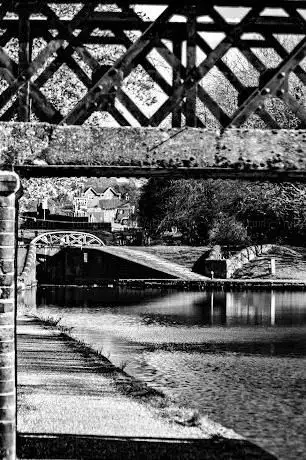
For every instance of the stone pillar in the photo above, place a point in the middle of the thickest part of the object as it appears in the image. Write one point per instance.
(9, 185)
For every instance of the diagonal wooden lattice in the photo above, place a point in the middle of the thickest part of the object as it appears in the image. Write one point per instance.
(182, 47)
(64, 238)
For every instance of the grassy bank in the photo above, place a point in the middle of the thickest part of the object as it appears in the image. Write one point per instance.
(290, 264)
(182, 255)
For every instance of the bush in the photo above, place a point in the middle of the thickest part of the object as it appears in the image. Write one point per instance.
(226, 230)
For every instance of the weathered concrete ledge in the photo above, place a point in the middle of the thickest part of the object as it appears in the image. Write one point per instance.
(43, 149)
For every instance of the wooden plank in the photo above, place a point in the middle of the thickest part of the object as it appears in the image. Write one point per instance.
(112, 77)
(222, 66)
(249, 3)
(42, 105)
(27, 73)
(213, 107)
(267, 118)
(273, 84)
(283, 53)
(221, 49)
(66, 32)
(145, 63)
(191, 93)
(118, 116)
(63, 55)
(176, 81)
(170, 173)
(24, 58)
(296, 107)
(130, 105)
(175, 29)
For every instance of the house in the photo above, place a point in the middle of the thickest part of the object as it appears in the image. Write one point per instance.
(106, 206)
(90, 199)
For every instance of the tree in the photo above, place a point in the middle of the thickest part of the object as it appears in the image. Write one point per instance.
(205, 210)
(227, 230)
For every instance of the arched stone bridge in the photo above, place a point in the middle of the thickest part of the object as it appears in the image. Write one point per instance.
(82, 258)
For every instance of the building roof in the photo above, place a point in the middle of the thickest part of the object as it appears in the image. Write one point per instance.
(109, 204)
(102, 191)
(92, 190)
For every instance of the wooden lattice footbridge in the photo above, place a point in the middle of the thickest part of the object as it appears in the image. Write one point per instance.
(96, 64)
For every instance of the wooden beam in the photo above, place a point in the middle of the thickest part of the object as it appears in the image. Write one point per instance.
(110, 79)
(104, 21)
(272, 86)
(24, 58)
(66, 32)
(232, 36)
(40, 103)
(24, 77)
(176, 81)
(191, 58)
(245, 3)
(262, 175)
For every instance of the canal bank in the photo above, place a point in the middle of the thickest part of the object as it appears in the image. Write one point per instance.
(185, 285)
(66, 390)
(198, 348)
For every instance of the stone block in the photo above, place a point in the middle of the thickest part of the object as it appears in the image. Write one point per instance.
(6, 280)
(6, 307)
(7, 225)
(6, 318)
(6, 266)
(6, 252)
(6, 292)
(7, 239)
(7, 214)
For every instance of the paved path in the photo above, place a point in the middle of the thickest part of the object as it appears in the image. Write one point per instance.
(61, 389)
(69, 403)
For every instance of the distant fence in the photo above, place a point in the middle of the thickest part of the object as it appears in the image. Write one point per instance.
(271, 223)
(50, 224)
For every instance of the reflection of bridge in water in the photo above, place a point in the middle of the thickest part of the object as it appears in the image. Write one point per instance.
(68, 257)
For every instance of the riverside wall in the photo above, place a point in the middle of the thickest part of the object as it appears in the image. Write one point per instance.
(214, 266)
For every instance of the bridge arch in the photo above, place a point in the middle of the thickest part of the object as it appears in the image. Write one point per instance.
(67, 238)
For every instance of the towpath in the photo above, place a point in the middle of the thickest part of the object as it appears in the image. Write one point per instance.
(64, 389)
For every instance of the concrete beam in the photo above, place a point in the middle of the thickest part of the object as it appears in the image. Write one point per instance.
(42, 149)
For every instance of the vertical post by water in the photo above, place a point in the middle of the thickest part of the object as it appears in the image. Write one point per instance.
(272, 265)
(9, 184)
(272, 308)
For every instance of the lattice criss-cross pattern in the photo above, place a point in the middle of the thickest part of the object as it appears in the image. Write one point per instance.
(184, 89)
(75, 239)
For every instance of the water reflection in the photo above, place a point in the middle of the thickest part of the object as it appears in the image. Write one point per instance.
(237, 357)
(217, 308)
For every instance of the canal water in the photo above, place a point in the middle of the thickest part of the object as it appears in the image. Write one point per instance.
(237, 357)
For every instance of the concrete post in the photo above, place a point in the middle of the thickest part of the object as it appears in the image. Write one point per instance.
(272, 264)
(9, 184)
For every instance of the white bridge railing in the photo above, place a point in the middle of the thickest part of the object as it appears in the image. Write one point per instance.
(65, 238)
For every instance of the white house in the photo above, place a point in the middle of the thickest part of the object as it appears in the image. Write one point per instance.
(106, 206)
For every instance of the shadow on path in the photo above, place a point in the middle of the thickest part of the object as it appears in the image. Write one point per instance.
(48, 446)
